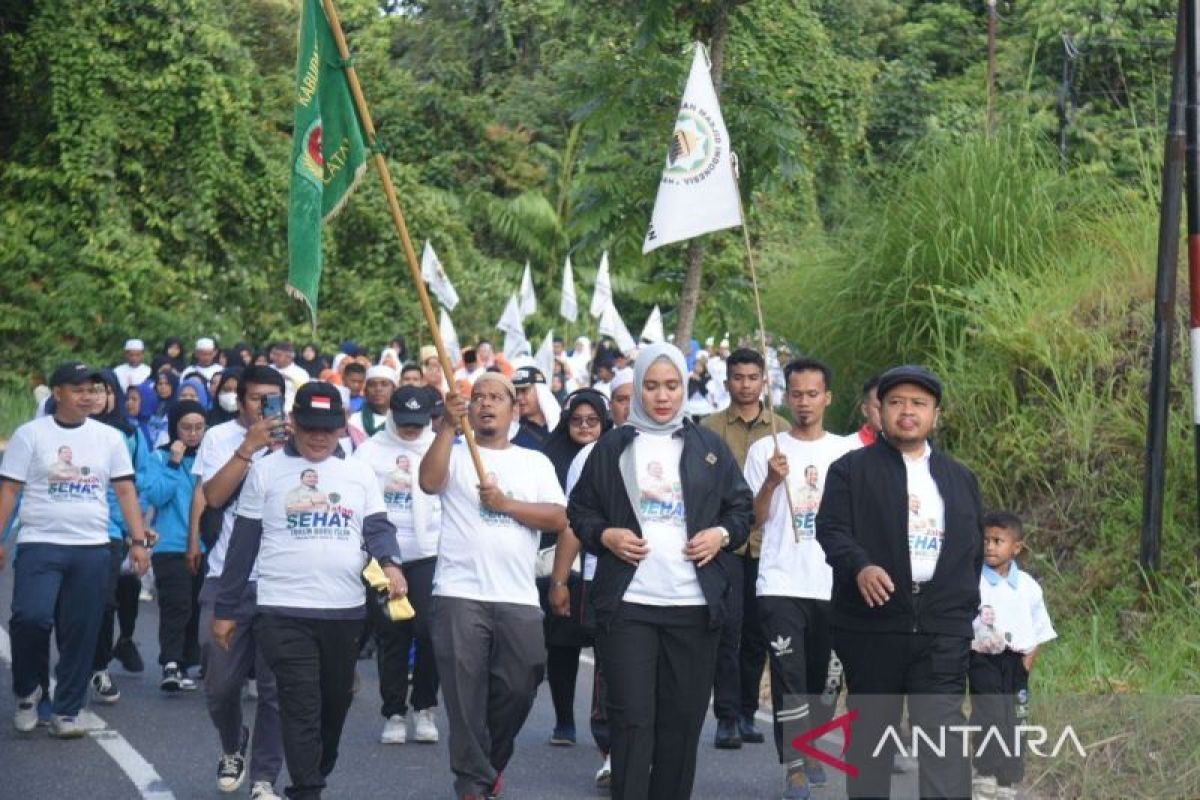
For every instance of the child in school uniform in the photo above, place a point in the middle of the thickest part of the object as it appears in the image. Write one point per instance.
(1011, 627)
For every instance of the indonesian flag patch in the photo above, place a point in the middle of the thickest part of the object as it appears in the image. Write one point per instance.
(321, 403)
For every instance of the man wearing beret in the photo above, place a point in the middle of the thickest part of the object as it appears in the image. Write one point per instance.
(900, 523)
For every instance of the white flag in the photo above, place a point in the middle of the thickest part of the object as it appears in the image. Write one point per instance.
(449, 337)
(698, 192)
(436, 278)
(612, 325)
(569, 308)
(545, 355)
(510, 323)
(652, 331)
(602, 294)
(528, 298)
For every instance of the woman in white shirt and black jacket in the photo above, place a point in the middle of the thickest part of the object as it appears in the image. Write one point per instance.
(657, 500)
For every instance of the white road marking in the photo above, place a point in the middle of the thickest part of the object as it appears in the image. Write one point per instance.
(139, 771)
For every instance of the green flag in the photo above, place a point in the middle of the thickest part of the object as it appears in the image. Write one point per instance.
(329, 151)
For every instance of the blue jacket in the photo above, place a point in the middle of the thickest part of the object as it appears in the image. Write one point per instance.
(139, 454)
(169, 489)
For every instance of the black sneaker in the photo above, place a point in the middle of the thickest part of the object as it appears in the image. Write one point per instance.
(127, 653)
(172, 677)
(231, 769)
(727, 737)
(103, 688)
(749, 732)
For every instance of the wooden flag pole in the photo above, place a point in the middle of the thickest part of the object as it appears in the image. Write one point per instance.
(389, 191)
(762, 339)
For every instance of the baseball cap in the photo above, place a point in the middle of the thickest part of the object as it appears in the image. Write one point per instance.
(70, 373)
(909, 373)
(527, 376)
(319, 406)
(411, 405)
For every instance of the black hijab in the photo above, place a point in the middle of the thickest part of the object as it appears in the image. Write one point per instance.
(114, 417)
(560, 448)
(216, 414)
(178, 411)
(179, 362)
(313, 367)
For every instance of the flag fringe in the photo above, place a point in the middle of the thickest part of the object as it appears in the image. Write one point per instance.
(358, 176)
(295, 293)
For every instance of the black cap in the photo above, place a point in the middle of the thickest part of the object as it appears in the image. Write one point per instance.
(73, 372)
(411, 405)
(527, 376)
(909, 373)
(319, 406)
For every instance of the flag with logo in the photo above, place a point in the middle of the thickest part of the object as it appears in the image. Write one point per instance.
(329, 151)
(510, 324)
(436, 278)
(568, 306)
(652, 331)
(528, 298)
(612, 325)
(602, 293)
(698, 191)
(449, 337)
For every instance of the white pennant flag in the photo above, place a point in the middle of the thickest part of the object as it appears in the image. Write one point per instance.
(602, 294)
(652, 331)
(612, 325)
(545, 355)
(698, 192)
(510, 324)
(569, 308)
(528, 298)
(436, 278)
(449, 337)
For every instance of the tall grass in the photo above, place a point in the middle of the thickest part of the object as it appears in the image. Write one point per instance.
(1030, 292)
(16, 407)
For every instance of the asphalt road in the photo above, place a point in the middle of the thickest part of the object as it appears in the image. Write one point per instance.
(163, 746)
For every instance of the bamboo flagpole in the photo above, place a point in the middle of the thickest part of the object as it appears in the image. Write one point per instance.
(389, 191)
(762, 338)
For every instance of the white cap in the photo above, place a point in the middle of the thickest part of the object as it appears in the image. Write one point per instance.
(385, 372)
(135, 344)
(205, 343)
(621, 377)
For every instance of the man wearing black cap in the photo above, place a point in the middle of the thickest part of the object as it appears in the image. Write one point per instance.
(395, 454)
(305, 515)
(538, 408)
(900, 524)
(62, 466)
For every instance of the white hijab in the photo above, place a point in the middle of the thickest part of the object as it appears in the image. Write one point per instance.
(639, 417)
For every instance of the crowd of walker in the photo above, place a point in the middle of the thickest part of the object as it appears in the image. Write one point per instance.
(638, 503)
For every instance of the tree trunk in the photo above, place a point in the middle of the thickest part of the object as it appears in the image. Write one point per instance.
(689, 300)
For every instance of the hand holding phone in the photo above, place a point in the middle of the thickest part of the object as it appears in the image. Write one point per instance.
(273, 409)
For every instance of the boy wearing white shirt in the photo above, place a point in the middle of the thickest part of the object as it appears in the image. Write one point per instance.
(794, 582)
(395, 454)
(487, 620)
(1011, 626)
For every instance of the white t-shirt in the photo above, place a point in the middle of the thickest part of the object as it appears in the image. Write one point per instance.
(664, 577)
(788, 568)
(215, 451)
(484, 555)
(1012, 613)
(66, 472)
(416, 515)
(926, 518)
(312, 552)
(131, 376)
(573, 473)
(208, 372)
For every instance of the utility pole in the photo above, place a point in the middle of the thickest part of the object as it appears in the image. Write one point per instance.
(1192, 192)
(1170, 207)
(991, 68)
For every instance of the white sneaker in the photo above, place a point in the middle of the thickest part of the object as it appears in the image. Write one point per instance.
(425, 727)
(395, 730)
(26, 718)
(1006, 793)
(604, 774)
(983, 787)
(261, 790)
(66, 727)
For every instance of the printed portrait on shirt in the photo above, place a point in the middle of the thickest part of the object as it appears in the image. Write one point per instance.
(397, 493)
(988, 637)
(495, 517)
(308, 495)
(659, 497)
(806, 491)
(924, 533)
(69, 481)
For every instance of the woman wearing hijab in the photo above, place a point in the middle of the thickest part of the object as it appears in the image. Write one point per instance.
(166, 393)
(169, 493)
(584, 419)
(193, 388)
(225, 408)
(657, 500)
(173, 352)
(311, 360)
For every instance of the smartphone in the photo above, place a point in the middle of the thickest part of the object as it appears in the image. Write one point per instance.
(273, 407)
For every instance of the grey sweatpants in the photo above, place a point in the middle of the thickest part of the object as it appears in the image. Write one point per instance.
(490, 660)
(226, 672)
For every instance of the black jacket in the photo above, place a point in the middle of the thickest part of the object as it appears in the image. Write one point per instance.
(714, 494)
(863, 520)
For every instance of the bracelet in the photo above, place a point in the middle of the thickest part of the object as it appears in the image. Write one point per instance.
(554, 584)
(247, 459)
(140, 543)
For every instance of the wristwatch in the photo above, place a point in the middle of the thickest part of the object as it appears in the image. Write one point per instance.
(392, 561)
(724, 538)
(555, 584)
(140, 543)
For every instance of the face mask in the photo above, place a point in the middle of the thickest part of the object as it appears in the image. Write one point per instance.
(228, 401)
